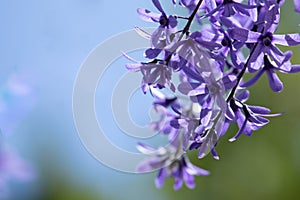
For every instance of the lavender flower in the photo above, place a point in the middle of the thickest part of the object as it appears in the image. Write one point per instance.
(154, 74)
(269, 68)
(248, 118)
(265, 42)
(164, 34)
(171, 162)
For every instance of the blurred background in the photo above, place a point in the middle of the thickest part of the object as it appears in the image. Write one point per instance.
(42, 46)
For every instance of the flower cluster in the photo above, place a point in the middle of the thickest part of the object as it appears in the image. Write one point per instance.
(234, 37)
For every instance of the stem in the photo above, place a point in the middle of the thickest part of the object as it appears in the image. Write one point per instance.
(190, 20)
(240, 75)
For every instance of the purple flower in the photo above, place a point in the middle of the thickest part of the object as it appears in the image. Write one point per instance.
(171, 162)
(265, 45)
(249, 118)
(164, 34)
(269, 68)
(265, 42)
(169, 110)
(164, 20)
(154, 74)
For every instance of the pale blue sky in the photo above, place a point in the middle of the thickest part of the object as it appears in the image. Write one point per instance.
(45, 42)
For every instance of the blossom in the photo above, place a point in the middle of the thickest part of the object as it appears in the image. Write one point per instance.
(265, 42)
(154, 74)
(249, 118)
(162, 36)
(269, 68)
(171, 162)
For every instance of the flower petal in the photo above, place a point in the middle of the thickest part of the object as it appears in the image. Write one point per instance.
(152, 53)
(287, 40)
(254, 79)
(274, 82)
(147, 15)
(244, 35)
(158, 6)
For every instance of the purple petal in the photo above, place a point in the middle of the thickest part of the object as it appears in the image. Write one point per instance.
(241, 130)
(214, 154)
(254, 79)
(202, 150)
(228, 10)
(243, 8)
(259, 109)
(192, 74)
(194, 170)
(257, 58)
(201, 89)
(160, 179)
(156, 38)
(243, 96)
(189, 180)
(172, 21)
(229, 81)
(147, 15)
(186, 87)
(145, 149)
(145, 87)
(228, 22)
(134, 67)
(178, 183)
(147, 165)
(286, 65)
(194, 145)
(210, 5)
(244, 35)
(274, 82)
(297, 5)
(152, 53)
(287, 40)
(158, 6)
(262, 121)
(295, 69)
(272, 19)
(276, 54)
(230, 114)
(211, 37)
(249, 128)
(224, 128)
